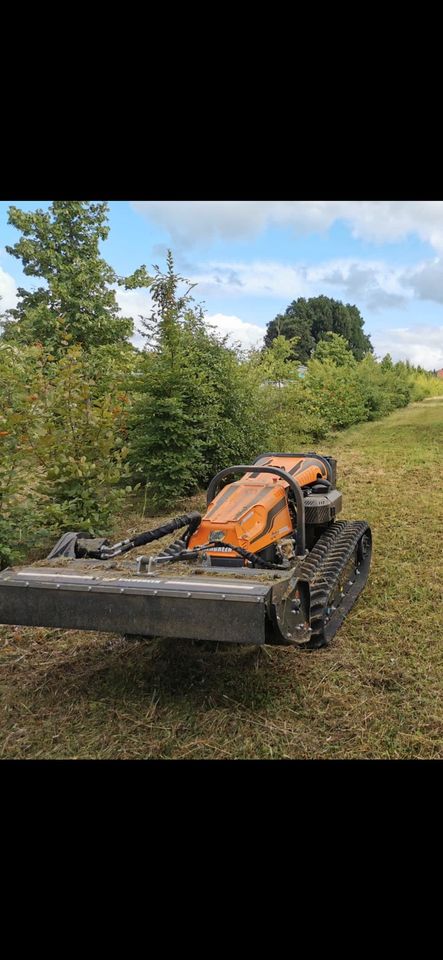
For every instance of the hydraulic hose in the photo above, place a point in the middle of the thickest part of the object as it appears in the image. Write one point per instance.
(254, 558)
(108, 551)
(173, 553)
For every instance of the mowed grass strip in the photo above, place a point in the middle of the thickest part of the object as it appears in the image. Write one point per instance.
(376, 692)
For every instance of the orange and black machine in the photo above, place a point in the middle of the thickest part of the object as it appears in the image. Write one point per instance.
(267, 563)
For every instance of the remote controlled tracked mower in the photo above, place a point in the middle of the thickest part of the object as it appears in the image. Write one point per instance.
(267, 563)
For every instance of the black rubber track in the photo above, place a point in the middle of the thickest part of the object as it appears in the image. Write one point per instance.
(324, 566)
(322, 547)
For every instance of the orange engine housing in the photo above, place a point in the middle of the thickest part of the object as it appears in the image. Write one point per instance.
(254, 512)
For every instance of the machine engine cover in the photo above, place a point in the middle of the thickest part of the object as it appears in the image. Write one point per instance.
(254, 512)
(322, 507)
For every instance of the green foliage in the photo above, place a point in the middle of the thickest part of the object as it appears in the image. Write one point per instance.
(61, 248)
(426, 385)
(336, 349)
(19, 507)
(165, 447)
(306, 410)
(234, 430)
(335, 389)
(112, 366)
(277, 388)
(77, 432)
(384, 386)
(336, 392)
(310, 320)
(296, 328)
(62, 446)
(278, 363)
(196, 407)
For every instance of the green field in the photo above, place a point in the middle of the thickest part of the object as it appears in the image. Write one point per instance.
(376, 692)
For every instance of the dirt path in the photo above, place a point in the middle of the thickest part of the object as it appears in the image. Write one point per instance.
(376, 692)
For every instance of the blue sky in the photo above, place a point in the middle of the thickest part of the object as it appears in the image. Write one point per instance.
(252, 258)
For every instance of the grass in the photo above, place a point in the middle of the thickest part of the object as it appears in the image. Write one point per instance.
(374, 693)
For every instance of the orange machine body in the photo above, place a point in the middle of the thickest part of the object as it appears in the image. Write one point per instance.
(254, 512)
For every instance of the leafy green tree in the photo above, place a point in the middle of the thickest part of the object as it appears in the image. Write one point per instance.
(278, 363)
(196, 407)
(335, 348)
(310, 320)
(61, 249)
(276, 375)
(113, 366)
(387, 363)
(334, 390)
(294, 327)
(75, 432)
(63, 445)
(165, 448)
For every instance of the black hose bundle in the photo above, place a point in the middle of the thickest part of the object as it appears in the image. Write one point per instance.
(254, 559)
(191, 520)
(108, 551)
(176, 551)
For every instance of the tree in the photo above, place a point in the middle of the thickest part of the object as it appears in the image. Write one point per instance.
(310, 320)
(334, 348)
(294, 327)
(61, 248)
(71, 435)
(196, 407)
(278, 363)
(165, 448)
(387, 363)
(276, 374)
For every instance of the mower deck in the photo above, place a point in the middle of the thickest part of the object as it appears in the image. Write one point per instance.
(200, 607)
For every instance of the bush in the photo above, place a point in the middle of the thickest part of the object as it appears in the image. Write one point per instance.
(336, 392)
(20, 507)
(304, 410)
(63, 453)
(77, 432)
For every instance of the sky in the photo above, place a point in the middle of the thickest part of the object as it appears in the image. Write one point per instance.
(250, 259)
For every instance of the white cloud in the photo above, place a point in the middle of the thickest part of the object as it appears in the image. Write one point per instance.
(369, 282)
(379, 221)
(374, 284)
(8, 291)
(426, 280)
(190, 221)
(421, 344)
(135, 304)
(248, 334)
(260, 278)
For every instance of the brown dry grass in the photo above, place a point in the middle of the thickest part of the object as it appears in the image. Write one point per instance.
(374, 693)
